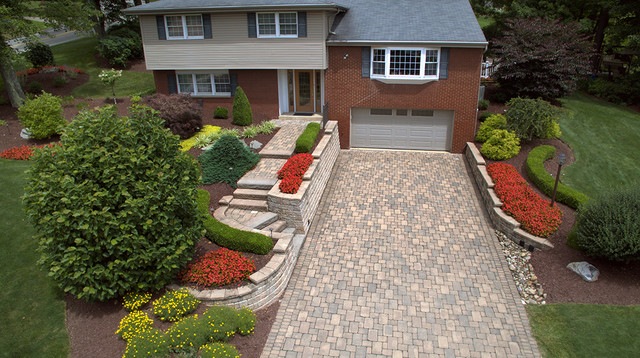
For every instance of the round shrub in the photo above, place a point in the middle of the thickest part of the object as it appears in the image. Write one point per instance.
(147, 344)
(181, 115)
(42, 115)
(241, 110)
(495, 121)
(226, 161)
(115, 207)
(219, 350)
(34, 87)
(501, 145)
(484, 115)
(39, 54)
(135, 48)
(116, 50)
(221, 113)
(532, 118)
(609, 226)
(483, 104)
(187, 333)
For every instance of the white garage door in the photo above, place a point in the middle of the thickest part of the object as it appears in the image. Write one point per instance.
(401, 128)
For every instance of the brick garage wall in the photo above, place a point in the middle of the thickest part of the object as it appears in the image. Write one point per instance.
(345, 88)
(260, 86)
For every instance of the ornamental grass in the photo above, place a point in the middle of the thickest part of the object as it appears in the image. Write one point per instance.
(219, 268)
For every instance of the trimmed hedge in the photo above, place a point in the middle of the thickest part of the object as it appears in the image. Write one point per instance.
(545, 182)
(305, 141)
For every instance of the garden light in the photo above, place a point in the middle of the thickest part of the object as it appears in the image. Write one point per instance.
(561, 160)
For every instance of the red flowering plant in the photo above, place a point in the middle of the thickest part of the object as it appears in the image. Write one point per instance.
(292, 172)
(23, 153)
(522, 203)
(219, 268)
(33, 71)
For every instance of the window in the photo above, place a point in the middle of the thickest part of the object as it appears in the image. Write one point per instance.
(215, 83)
(277, 24)
(422, 112)
(418, 63)
(184, 27)
(380, 111)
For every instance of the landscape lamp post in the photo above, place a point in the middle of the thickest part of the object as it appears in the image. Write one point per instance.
(561, 160)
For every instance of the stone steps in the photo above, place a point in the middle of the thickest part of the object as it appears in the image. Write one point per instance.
(248, 204)
(252, 194)
(276, 226)
(260, 184)
(262, 220)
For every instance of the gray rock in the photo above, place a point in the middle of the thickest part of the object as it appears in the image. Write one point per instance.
(25, 133)
(255, 145)
(587, 271)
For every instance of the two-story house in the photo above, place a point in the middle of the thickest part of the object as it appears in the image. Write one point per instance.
(400, 74)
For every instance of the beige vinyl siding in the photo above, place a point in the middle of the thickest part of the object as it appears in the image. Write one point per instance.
(231, 47)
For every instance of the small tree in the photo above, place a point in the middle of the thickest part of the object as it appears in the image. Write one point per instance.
(109, 78)
(541, 58)
(532, 118)
(241, 109)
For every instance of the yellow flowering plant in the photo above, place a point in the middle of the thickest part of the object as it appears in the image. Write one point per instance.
(133, 324)
(133, 301)
(174, 304)
(219, 350)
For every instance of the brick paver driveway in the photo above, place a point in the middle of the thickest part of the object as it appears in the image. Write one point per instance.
(400, 262)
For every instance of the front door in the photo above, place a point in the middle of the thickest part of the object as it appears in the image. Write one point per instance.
(305, 96)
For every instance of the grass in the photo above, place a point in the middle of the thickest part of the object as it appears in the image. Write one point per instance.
(603, 137)
(580, 330)
(30, 305)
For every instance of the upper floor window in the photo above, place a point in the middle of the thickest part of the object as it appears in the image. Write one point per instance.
(409, 63)
(184, 27)
(203, 83)
(277, 24)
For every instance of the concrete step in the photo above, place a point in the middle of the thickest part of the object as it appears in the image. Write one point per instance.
(289, 230)
(253, 194)
(276, 153)
(276, 226)
(248, 204)
(262, 220)
(262, 184)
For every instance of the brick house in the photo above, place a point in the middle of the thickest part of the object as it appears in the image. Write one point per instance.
(403, 74)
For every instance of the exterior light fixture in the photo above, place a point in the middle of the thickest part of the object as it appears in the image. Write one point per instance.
(561, 160)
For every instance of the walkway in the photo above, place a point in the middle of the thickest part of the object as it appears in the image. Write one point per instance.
(400, 262)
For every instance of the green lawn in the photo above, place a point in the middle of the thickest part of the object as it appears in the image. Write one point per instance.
(605, 139)
(32, 312)
(579, 330)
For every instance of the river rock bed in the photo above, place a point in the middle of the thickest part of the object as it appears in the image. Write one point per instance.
(517, 257)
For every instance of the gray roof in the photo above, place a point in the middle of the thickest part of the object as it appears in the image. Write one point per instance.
(166, 6)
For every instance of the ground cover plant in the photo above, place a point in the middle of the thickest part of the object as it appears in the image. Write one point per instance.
(292, 172)
(219, 268)
(133, 301)
(174, 305)
(305, 141)
(226, 161)
(24, 152)
(199, 138)
(522, 203)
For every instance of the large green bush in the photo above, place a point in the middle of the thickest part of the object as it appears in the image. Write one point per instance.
(545, 182)
(241, 110)
(42, 115)
(532, 118)
(226, 161)
(493, 122)
(305, 141)
(115, 205)
(608, 226)
(39, 54)
(501, 145)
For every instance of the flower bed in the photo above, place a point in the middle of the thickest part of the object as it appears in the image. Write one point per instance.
(23, 153)
(48, 69)
(522, 203)
(219, 268)
(292, 172)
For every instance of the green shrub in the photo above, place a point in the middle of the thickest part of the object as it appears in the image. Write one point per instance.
(42, 115)
(81, 106)
(190, 332)
(241, 109)
(610, 91)
(305, 141)
(34, 87)
(501, 145)
(532, 118)
(181, 114)
(221, 113)
(484, 115)
(136, 99)
(226, 161)
(250, 131)
(237, 240)
(221, 323)
(203, 199)
(495, 121)
(246, 321)
(148, 344)
(59, 82)
(116, 50)
(39, 54)
(174, 304)
(267, 127)
(608, 226)
(219, 350)
(67, 101)
(115, 207)
(483, 104)
(135, 47)
(545, 182)
(133, 324)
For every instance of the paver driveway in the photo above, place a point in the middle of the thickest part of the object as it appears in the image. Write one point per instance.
(400, 262)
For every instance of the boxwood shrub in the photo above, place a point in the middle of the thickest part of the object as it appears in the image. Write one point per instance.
(545, 182)
(305, 141)
(495, 121)
(501, 145)
(221, 113)
(42, 115)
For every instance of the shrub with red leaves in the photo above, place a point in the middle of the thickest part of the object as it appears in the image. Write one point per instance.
(292, 172)
(181, 114)
(22, 153)
(520, 201)
(219, 268)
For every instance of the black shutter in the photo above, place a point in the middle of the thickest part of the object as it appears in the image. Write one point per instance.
(233, 79)
(171, 82)
(206, 26)
(366, 61)
(444, 63)
(302, 24)
(251, 21)
(162, 35)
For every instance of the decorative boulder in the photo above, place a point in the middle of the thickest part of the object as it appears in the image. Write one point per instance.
(587, 271)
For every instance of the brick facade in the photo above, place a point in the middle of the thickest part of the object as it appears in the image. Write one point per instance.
(345, 88)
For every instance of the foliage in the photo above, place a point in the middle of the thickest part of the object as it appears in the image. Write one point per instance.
(188, 333)
(68, 101)
(115, 207)
(133, 324)
(221, 113)
(624, 90)
(109, 78)
(541, 58)
(23, 153)
(42, 115)
(117, 50)
(305, 141)
(501, 145)
(223, 322)
(522, 203)
(532, 118)
(34, 87)
(250, 131)
(494, 122)
(545, 182)
(292, 172)
(133, 301)
(181, 115)
(484, 115)
(59, 82)
(219, 268)
(483, 104)
(237, 240)
(174, 304)
(241, 110)
(125, 32)
(219, 350)
(200, 139)
(267, 127)
(226, 161)
(608, 225)
(39, 54)
(147, 344)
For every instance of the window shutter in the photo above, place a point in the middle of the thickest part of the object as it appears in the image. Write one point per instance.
(302, 24)
(366, 61)
(172, 84)
(251, 21)
(162, 35)
(233, 79)
(444, 63)
(206, 26)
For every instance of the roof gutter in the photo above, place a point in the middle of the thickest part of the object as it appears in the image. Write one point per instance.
(229, 8)
(482, 44)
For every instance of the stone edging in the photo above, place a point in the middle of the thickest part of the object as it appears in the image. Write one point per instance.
(501, 221)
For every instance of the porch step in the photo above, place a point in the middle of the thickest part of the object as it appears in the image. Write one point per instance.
(252, 183)
(248, 204)
(316, 117)
(276, 153)
(277, 226)
(262, 220)
(289, 230)
(254, 194)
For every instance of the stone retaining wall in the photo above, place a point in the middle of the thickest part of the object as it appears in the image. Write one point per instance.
(501, 221)
(299, 209)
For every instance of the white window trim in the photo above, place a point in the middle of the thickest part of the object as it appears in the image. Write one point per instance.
(387, 64)
(195, 92)
(185, 33)
(277, 17)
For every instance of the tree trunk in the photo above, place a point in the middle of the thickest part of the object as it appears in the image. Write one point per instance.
(11, 83)
(99, 20)
(598, 39)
